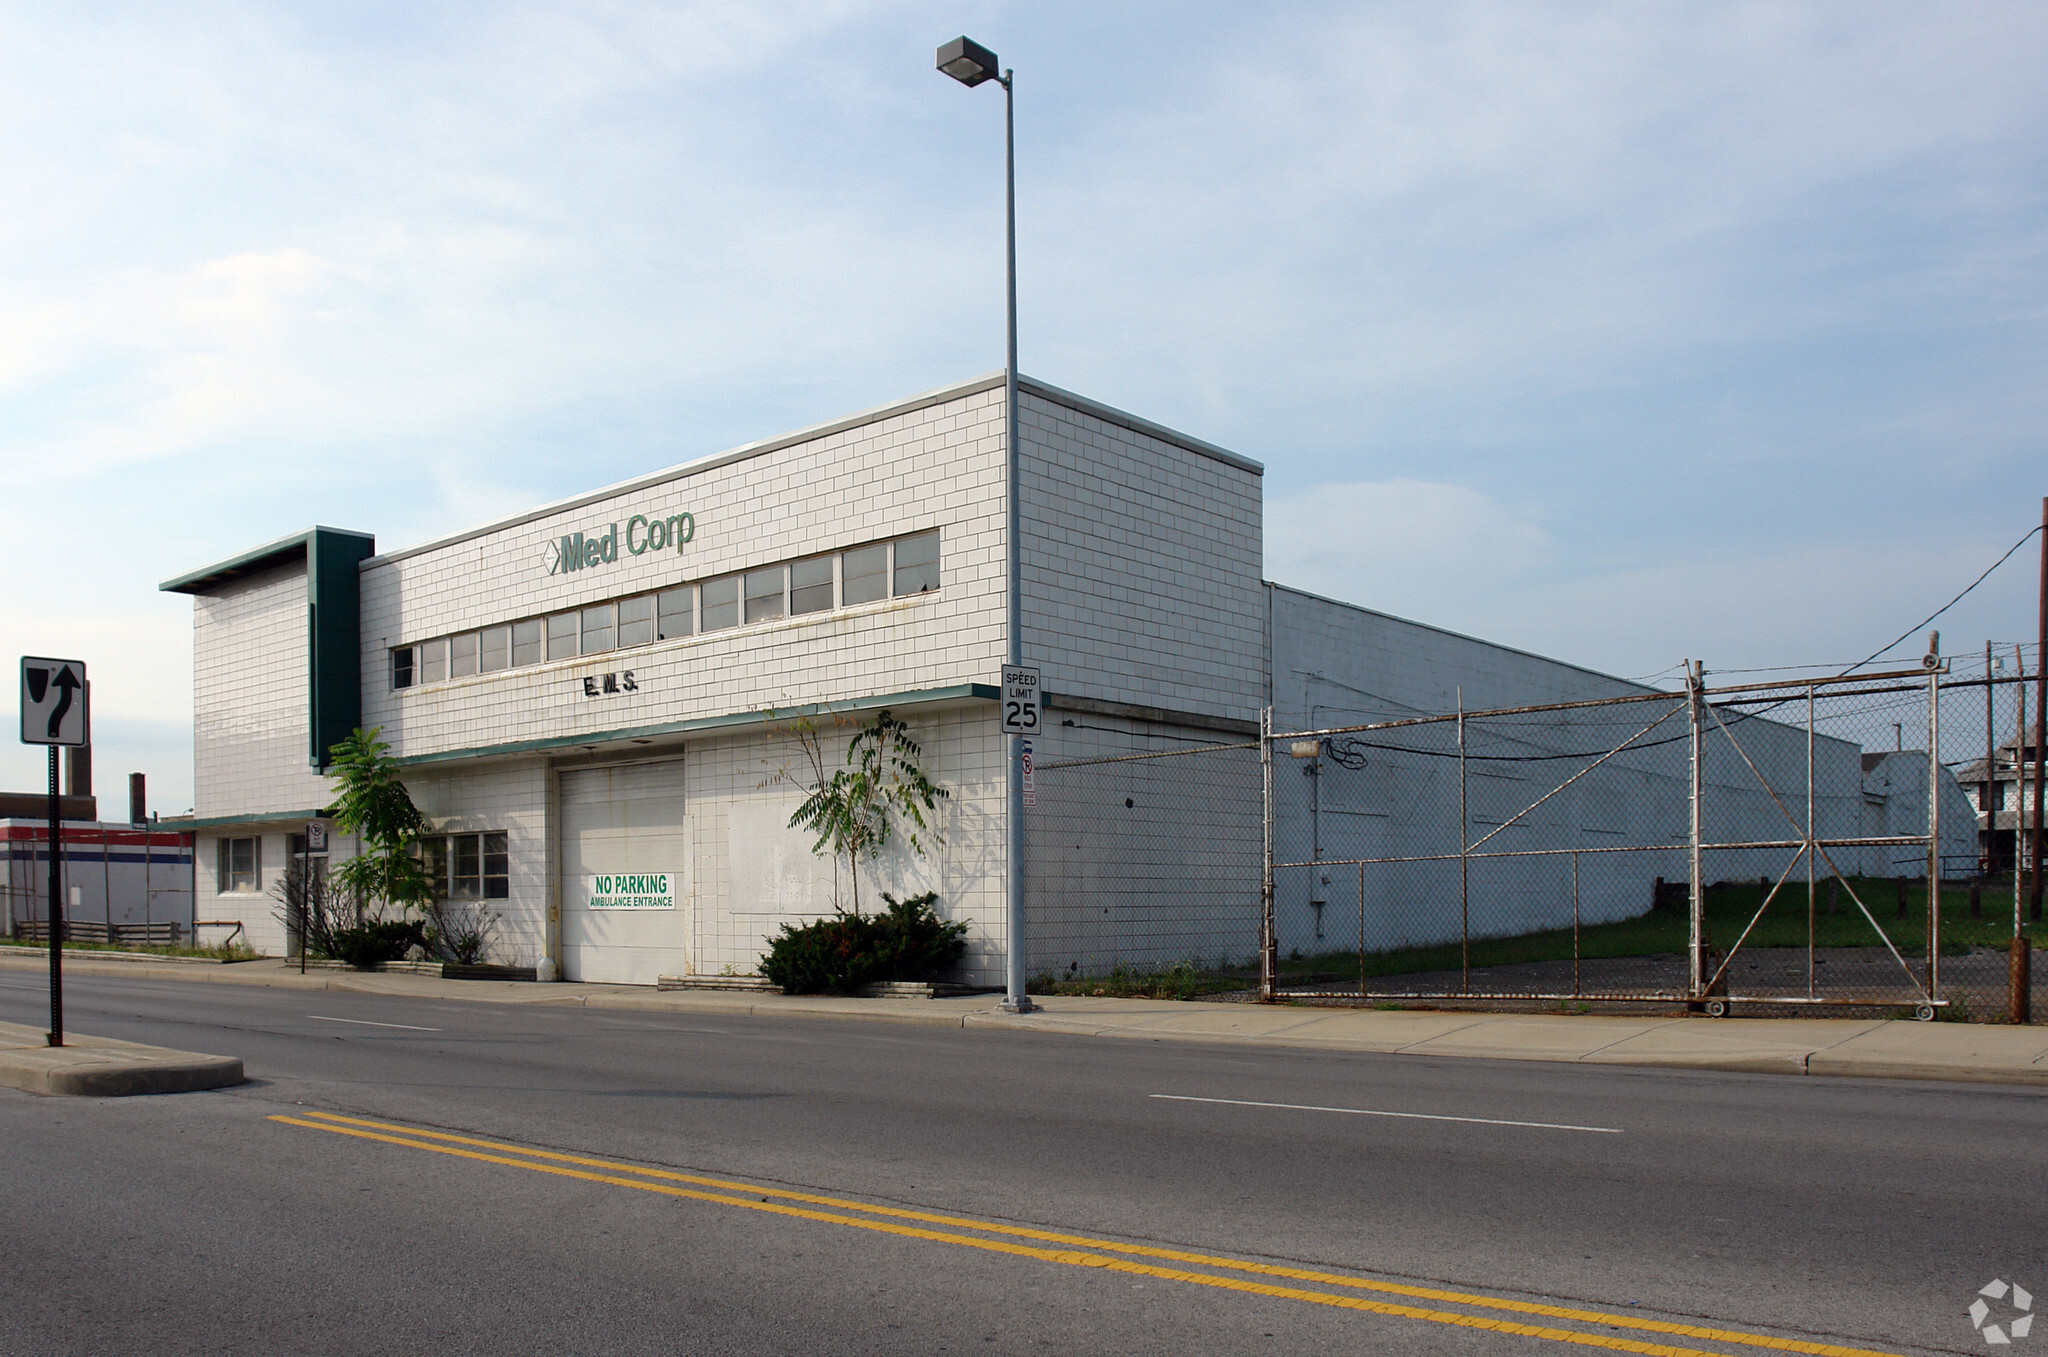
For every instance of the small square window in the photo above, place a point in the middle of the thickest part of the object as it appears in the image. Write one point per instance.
(597, 629)
(765, 602)
(865, 574)
(721, 604)
(401, 667)
(433, 661)
(636, 621)
(496, 650)
(462, 655)
(917, 564)
(240, 868)
(674, 608)
(529, 642)
(562, 636)
(810, 585)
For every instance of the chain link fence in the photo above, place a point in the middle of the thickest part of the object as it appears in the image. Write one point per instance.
(1785, 846)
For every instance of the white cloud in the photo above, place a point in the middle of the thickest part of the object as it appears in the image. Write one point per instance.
(1625, 332)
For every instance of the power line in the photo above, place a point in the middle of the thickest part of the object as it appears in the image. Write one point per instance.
(1946, 606)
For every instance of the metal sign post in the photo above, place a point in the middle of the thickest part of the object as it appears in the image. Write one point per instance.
(54, 702)
(1020, 722)
(315, 841)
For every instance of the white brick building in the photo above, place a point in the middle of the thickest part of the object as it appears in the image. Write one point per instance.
(620, 714)
(595, 686)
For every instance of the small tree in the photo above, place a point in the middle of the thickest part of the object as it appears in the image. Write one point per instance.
(859, 808)
(372, 804)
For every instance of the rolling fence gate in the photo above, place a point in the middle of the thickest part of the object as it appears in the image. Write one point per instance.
(1776, 846)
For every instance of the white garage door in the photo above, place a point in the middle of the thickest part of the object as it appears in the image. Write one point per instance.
(627, 819)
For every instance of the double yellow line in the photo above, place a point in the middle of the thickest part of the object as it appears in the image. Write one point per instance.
(1228, 1274)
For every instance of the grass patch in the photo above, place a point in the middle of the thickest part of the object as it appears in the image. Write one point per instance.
(1657, 933)
(1729, 908)
(1185, 981)
(239, 951)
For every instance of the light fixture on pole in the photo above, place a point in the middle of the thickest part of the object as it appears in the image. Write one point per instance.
(968, 62)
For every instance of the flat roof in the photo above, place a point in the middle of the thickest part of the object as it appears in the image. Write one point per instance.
(761, 447)
(254, 561)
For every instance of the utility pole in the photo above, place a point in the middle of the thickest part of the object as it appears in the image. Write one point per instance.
(2040, 710)
(2019, 978)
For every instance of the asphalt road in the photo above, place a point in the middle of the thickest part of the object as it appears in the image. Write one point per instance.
(1117, 1195)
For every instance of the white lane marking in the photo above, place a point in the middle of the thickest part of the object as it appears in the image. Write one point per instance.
(1367, 1112)
(361, 1022)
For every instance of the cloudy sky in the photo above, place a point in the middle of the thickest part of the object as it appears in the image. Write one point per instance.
(1622, 333)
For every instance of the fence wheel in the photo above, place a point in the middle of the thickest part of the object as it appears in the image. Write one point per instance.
(1924, 1013)
(1717, 1008)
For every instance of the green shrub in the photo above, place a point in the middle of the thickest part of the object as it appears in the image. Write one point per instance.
(906, 941)
(377, 940)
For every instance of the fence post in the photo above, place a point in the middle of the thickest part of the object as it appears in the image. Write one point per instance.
(1464, 863)
(1575, 922)
(1933, 816)
(2019, 979)
(1811, 835)
(1269, 942)
(1695, 950)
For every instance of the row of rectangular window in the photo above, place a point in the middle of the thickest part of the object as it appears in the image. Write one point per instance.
(462, 866)
(908, 565)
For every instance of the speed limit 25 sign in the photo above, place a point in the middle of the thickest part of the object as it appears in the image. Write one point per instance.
(1020, 700)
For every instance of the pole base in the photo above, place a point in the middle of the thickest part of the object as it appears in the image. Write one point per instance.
(1021, 1004)
(53, 1039)
(2020, 991)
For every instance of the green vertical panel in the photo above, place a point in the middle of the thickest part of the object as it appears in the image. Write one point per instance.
(334, 649)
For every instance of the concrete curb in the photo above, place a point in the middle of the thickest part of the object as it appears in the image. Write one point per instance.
(1865, 1048)
(96, 1067)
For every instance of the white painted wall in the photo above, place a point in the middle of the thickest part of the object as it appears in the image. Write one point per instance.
(1141, 560)
(1336, 664)
(249, 731)
(935, 466)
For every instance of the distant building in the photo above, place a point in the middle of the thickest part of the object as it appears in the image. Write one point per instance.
(2003, 802)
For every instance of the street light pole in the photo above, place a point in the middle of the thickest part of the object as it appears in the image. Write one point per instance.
(972, 64)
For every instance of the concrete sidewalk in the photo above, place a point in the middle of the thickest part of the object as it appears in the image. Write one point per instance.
(95, 1067)
(1863, 1047)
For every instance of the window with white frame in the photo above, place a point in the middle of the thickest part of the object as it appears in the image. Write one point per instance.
(720, 604)
(865, 572)
(469, 866)
(241, 866)
(810, 586)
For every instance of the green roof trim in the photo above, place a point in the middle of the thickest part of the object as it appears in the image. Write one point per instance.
(959, 692)
(255, 561)
(334, 647)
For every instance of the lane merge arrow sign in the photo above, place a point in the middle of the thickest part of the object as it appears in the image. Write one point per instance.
(54, 702)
